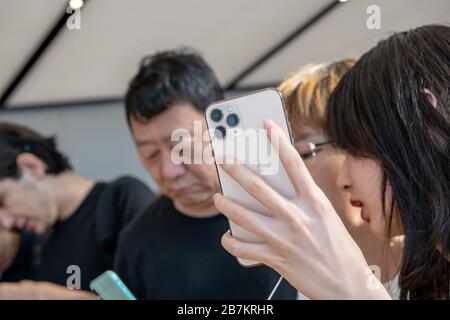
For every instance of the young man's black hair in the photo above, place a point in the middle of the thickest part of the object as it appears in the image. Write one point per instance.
(15, 139)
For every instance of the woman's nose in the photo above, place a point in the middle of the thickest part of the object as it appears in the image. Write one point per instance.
(343, 180)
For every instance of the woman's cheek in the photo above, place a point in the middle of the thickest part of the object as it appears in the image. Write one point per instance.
(379, 226)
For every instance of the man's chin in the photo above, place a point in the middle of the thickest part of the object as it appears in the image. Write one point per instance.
(38, 229)
(196, 209)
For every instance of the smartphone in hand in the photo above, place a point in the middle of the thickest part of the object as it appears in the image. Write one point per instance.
(108, 286)
(236, 129)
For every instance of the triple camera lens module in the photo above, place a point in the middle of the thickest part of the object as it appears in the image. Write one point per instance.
(232, 120)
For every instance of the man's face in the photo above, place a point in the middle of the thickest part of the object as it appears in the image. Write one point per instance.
(190, 186)
(25, 205)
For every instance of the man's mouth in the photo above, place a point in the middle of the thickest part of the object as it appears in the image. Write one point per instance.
(180, 191)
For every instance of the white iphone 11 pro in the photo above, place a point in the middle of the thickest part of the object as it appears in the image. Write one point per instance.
(236, 129)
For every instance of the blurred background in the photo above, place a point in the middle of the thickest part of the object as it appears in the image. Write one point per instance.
(64, 70)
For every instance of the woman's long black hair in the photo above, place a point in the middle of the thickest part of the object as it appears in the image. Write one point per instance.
(380, 110)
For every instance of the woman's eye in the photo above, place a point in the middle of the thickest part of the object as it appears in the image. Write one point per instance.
(318, 149)
(310, 154)
(306, 155)
(152, 156)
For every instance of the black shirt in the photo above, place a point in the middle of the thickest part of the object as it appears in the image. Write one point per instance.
(87, 239)
(21, 267)
(164, 254)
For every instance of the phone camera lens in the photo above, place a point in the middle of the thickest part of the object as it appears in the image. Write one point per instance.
(220, 132)
(232, 120)
(216, 115)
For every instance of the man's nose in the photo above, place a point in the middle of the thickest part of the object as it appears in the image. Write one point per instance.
(171, 170)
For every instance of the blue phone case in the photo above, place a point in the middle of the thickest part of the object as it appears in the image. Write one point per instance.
(110, 287)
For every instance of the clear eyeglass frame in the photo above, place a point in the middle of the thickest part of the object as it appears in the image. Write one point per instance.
(313, 148)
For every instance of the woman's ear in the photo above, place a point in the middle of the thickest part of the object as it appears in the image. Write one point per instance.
(430, 97)
(28, 162)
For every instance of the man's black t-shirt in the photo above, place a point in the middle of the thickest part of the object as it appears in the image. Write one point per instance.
(87, 239)
(21, 267)
(164, 254)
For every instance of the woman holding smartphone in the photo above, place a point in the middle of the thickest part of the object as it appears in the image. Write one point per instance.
(390, 115)
(306, 93)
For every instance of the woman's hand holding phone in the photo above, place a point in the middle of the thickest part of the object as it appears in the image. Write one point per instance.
(304, 239)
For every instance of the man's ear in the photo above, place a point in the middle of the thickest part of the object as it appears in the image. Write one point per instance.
(28, 162)
(430, 97)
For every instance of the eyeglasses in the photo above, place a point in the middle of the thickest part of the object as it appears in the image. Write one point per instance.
(313, 148)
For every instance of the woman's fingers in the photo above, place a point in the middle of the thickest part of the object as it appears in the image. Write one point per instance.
(251, 221)
(255, 186)
(259, 252)
(291, 160)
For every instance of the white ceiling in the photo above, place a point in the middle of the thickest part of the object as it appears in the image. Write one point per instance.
(22, 26)
(343, 33)
(97, 61)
